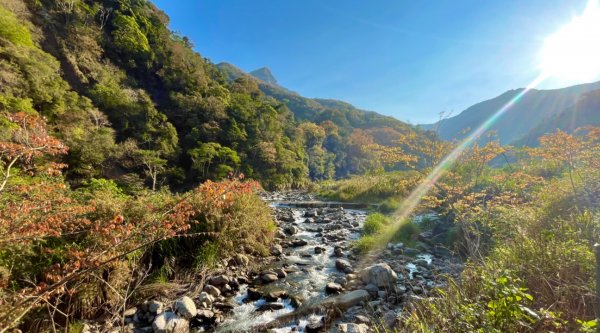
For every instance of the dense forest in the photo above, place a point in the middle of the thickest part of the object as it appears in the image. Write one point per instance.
(134, 103)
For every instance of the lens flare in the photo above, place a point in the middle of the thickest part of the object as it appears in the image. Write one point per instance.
(412, 201)
(573, 52)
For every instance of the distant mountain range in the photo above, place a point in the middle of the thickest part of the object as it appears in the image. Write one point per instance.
(344, 115)
(538, 112)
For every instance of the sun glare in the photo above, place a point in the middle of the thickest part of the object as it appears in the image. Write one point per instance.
(573, 52)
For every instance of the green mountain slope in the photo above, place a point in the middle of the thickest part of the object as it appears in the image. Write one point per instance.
(135, 103)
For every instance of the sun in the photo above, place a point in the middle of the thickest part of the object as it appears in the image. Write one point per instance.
(573, 52)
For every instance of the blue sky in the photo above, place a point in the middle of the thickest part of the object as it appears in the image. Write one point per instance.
(407, 59)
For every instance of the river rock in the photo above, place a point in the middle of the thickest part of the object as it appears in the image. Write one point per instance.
(212, 290)
(390, 319)
(280, 273)
(333, 288)
(276, 250)
(311, 213)
(204, 314)
(168, 322)
(155, 307)
(280, 234)
(315, 324)
(338, 252)
(219, 280)
(206, 298)
(185, 307)
(372, 289)
(130, 312)
(409, 251)
(319, 249)
(298, 242)
(351, 299)
(253, 294)
(291, 230)
(274, 296)
(271, 306)
(343, 265)
(269, 277)
(342, 281)
(380, 275)
(353, 328)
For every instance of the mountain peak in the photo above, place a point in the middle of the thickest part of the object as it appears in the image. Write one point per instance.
(264, 74)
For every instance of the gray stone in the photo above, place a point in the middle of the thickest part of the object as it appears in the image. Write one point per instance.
(168, 322)
(372, 289)
(269, 277)
(280, 273)
(271, 306)
(185, 307)
(353, 328)
(130, 312)
(218, 280)
(206, 298)
(212, 290)
(333, 288)
(276, 250)
(205, 314)
(155, 307)
(342, 281)
(343, 265)
(350, 299)
(291, 230)
(380, 275)
(253, 294)
(390, 319)
(315, 324)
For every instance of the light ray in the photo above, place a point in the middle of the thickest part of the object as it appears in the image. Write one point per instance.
(411, 202)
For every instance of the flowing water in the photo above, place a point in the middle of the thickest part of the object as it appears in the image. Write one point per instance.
(308, 272)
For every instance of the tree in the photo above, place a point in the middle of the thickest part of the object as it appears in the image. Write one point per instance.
(23, 139)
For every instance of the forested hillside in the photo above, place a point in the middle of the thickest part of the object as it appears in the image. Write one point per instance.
(135, 103)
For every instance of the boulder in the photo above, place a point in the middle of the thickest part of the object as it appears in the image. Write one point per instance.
(343, 265)
(185, 307)
(219, 280)
(130, 312)
(333, 288)
(212, 290)
(168, 322)
(205, 314)
(276, 250)
(269, 277)
(381, 275)
(253, 294)
(291, 230)
(353, 328)
(315, 324)
(299, 242)
(271, 306)
(280, 273)
(372, 289)
(351, 299)
(390, 319)
(319, 249)
(342, 281)
(206, 298)
(155, 307)
(338, 252)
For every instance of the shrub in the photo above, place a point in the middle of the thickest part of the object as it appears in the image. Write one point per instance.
(13, 30)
